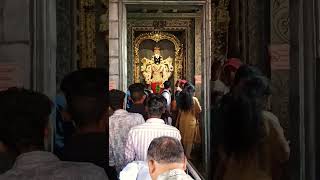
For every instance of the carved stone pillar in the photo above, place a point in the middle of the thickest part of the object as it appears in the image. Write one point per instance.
(87, 31)
(304, 64)
(44, 47)
(114, 45)
(220, 28)
(279, 44)
(65, 27)
(256, 32)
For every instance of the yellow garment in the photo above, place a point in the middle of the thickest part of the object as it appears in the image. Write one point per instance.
(261, 161)
(187, 123)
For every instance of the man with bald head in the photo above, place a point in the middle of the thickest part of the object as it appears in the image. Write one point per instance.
(166, 159)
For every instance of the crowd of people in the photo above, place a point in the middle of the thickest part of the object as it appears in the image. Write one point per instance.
(140, 116)
(151, 135)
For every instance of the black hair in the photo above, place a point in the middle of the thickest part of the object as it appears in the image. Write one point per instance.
(86, 92)
(136, 91)
(137, 87)
(185, 98)
(24, 115)
(164, 100)
(242, 115)
(257, 87)
(116, 98)
(166, 150)
(85, 82)
(246, 72)
(156, 105)
(216, 69)
(167, 84)
(87, 110)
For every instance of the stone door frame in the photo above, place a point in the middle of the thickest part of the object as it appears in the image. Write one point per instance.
(118, 54)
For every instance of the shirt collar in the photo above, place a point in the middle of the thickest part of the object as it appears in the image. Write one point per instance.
(120, 111)
(28, 160)
(171, 173)
(155, 120)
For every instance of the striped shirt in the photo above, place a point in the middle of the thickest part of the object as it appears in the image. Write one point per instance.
(140, 137)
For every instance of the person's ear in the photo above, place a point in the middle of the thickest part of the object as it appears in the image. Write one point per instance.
(185, 161)
(124, 105)
(46, 132)
(46, 136)
(66, 116)
(152, 167)
(3, 147)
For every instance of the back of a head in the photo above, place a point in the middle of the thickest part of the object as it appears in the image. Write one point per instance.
(116, 98)
(87, 102)
(166, 150)
(136, 91)
(85, 82)
(156, 105)
(136, 86)
(167, 84)
(257, 87)
(185, 102)
(24, 115)
(246, 72)
(86, 110)
(242, 115)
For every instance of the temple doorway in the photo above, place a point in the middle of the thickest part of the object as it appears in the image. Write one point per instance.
(159, 42)
(169, 42)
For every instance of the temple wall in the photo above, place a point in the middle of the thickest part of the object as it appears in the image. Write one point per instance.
(15, 43)
(114, 41)
(65, 53)
(118, 70)
(279, 51)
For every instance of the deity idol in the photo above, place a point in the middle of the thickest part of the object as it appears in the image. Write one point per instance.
(156, 70)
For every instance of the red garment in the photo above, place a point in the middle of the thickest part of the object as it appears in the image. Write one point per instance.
(156, 88)
(233, 62)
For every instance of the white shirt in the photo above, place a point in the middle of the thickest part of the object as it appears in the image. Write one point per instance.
(166, 94)
(136, 170)
(140, 137)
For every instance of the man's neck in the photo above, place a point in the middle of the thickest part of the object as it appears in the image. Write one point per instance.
(3, 148)
(138, 102)
(91, 129)
(156, 117)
